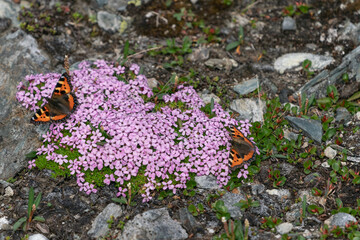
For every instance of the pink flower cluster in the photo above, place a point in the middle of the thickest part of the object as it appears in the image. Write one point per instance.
(169, 144)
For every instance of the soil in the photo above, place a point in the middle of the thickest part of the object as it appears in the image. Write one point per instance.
(63, 205)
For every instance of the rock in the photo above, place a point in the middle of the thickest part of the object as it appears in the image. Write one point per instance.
(330, 153)
(257, 188)
(152, 225)
(293, 61)
(8, 192)
(318, 85)
(152, 82)
(311, 128)
(340, 219)
(189, 222)
(280, 193)
(247, 86)
(286, 169)
(284, 228)
(100, 3)
(350, 32)
(19, 56)
(294, 213)
(4, 224)
(37, 236)
(116, 5)
(99, 226)
(249, 109)
(207, 182)
(342, 114)
(290, 135)
(229, 200)
(5, 23)
(8, 9)
(357, 116)
(223, 64)
(207, 98)
(199, 54)
(312, 177)
(353, 159)
(288, 24)
(262, 67)
(108, 21)
(59, 46)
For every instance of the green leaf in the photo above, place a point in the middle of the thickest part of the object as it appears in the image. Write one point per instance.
(31, 155)
(19, 223)
(39, 218)
(121, 200)
(37, 200)
(30, 201)
(126, 49)
(232, 45)
(354, 97)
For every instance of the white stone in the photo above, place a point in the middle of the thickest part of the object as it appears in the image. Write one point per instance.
(38, 236)
(284, 228)
(4, 224)
(330, 153)
(9, 192)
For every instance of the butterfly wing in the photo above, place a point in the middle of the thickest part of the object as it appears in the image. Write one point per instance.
(60, 105)
(242, 149)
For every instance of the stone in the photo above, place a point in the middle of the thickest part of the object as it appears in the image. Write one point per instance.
(99, 227)
(9, 192)
(280, 193)
(229, 200)
(108, 21)
(288, 24)
(4, 224)
(284, 228)
(318, 85)
(339, 219)
(152, 225)
(207, 98)
(342, 114)
(5, 23)
(247, 86)
(248, 108)
(37, 236)
(257, 189)
(290, 135)
(311, 128)
(293, 61)
(199, 54)
(189, 222)
(222, 64)
(8, 9)
(152, 82)
(207, 182)
(19, 56)
(330, 152)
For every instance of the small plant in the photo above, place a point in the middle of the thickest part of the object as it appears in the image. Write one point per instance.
(130, 196)
(77, 17)
(299, 8)
(228, 2)
(32, 206)
(92, 19)
(245, 204)
(316, 210)
(270, 222)
(306, 65)
(274, 175)
(196, 210)
(237, 43)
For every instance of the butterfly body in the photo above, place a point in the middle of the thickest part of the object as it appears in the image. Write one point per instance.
(61, 104)
(242, 149)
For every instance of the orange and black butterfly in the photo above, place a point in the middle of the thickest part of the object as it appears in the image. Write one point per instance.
(242, 149)
(61, 104)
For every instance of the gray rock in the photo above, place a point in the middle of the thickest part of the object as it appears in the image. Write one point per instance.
(223, 64)
(280, 193)
(118, 5)
(207, 98)
(100, 3)
(154, 224)
(290, 135)
(257, 188)
(312, 177)
(284, 228)
(206, 182)
(262, 67)
(108, 21)
(318, 85)
(286, 169)
(199, 54)
(99, 226)
(340, 219)
(8, 9)
(19, 56)
(353, 159)
(350, 32)
(288, 24)
(38, 236)
(342, 114)
(229, 200)
(152, 82)
(293, 61)
(247, 86)
(249, 109)
(311, 128)
(188, 221)
(59, 47)
(5, 23)
(294, 213)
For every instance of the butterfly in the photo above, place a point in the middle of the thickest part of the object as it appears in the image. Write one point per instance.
(242, 149)
(61, 104)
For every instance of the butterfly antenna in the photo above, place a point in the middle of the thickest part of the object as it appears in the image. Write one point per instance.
(66, 64)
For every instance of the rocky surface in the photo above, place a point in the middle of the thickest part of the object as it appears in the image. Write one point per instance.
(267, 61)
